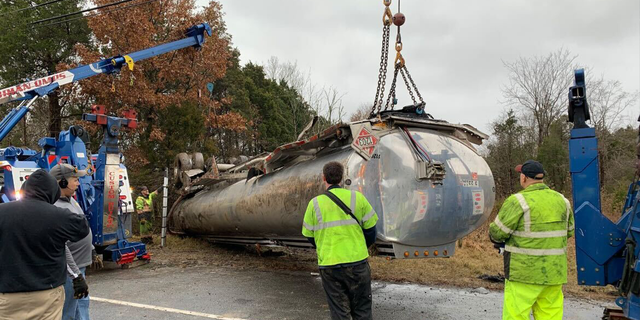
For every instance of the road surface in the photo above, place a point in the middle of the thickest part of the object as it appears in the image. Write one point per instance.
(169, 292)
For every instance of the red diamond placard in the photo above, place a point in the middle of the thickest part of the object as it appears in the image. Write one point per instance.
(365, 141)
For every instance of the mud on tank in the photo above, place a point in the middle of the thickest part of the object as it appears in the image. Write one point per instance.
(424, 178)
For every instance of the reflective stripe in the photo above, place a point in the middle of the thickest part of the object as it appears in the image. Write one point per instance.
(569, 227)
(368, 215)
(316, 206)
(308, 226)
(536, 252)
(541, 234)
(502, 227)
(352, 205)
(330, 224)
(526, 210)
(353, 202)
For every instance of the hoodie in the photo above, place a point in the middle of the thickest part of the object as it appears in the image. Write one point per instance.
(33, 233)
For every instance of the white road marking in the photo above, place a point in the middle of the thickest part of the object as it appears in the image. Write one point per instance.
(172, 310)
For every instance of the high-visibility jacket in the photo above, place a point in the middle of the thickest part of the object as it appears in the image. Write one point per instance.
(145, 204)
(339, 238)
(534, 224)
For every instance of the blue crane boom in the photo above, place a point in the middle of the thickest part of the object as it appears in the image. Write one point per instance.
(29, 91)
(100, 194)
(607, 252)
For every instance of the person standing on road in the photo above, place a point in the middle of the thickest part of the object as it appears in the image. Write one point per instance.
(33, 233)
(533, 225)
(144, 206)
(341, 225)
(80, 254)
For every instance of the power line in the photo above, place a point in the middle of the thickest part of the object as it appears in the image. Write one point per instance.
(95, 14)
(82, 11)
(32, 7)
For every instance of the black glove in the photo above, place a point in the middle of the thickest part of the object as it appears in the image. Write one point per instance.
(499, 247)
(80, 288)
(96, 261)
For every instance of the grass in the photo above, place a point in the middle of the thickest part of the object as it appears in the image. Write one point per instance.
(476, 257)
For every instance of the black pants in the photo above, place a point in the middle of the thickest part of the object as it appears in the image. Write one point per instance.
(348, 291)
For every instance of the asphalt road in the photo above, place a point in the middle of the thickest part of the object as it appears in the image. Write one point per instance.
(160, 292)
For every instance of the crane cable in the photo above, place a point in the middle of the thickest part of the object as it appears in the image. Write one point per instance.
(96, 14)
(32, 7)
(399, 66)
(82, 11)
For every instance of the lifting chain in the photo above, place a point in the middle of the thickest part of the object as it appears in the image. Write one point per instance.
(392, 91)
(399, 65)
(384, 58)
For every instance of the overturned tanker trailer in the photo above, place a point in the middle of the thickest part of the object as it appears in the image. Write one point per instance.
(423, 177)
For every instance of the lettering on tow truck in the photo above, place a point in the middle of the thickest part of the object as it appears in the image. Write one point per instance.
(111, 196)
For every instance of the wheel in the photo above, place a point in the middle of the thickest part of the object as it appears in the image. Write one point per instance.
(185, 179)
(198, 161)
(183, 162)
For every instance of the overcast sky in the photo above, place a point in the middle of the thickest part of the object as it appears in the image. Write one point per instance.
(454, 49)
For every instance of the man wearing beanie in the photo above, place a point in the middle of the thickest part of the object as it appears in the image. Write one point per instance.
(33, 233)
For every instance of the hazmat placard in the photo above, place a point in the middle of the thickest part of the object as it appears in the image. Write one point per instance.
(364, 141)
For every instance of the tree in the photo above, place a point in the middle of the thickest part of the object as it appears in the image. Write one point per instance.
(325, 102)
(170, 80)
(553, 153)
(540, 85)
(362, 113)
(32, 51)
(607, 103)
(506, 149)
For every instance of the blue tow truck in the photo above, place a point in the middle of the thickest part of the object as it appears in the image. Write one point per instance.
(104, 194)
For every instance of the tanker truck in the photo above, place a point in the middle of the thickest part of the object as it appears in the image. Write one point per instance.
(424, 177)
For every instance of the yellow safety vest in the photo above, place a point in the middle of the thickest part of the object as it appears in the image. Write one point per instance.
(339, 238)
(534, 224)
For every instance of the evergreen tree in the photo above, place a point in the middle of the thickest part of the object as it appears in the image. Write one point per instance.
(31, 51)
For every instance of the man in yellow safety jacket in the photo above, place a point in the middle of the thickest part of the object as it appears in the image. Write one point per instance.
(533, 225)
(144, 207)
(341, 224)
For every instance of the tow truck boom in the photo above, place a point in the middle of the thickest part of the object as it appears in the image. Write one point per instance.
(29, 91)
(607, 252)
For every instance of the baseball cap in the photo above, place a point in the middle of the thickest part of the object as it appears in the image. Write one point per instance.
(64, 170)
(531, 169)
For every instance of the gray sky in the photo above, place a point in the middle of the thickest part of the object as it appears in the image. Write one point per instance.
(454, 49)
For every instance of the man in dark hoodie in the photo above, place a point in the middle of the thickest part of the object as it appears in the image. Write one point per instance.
(33, 233)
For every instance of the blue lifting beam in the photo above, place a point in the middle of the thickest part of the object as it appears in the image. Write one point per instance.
(33, 89)
(606, 251)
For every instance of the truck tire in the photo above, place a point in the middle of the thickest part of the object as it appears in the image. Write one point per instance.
(183, 162)
(197, 161)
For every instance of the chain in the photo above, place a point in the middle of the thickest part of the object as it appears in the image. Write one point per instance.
(392, 90)
(382, 75)
(404, 77)
(399, 65)
(414, 86)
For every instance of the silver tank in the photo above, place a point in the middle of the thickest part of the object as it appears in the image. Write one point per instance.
(412, 212)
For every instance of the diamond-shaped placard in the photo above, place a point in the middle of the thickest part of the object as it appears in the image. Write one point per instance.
(365, 142)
